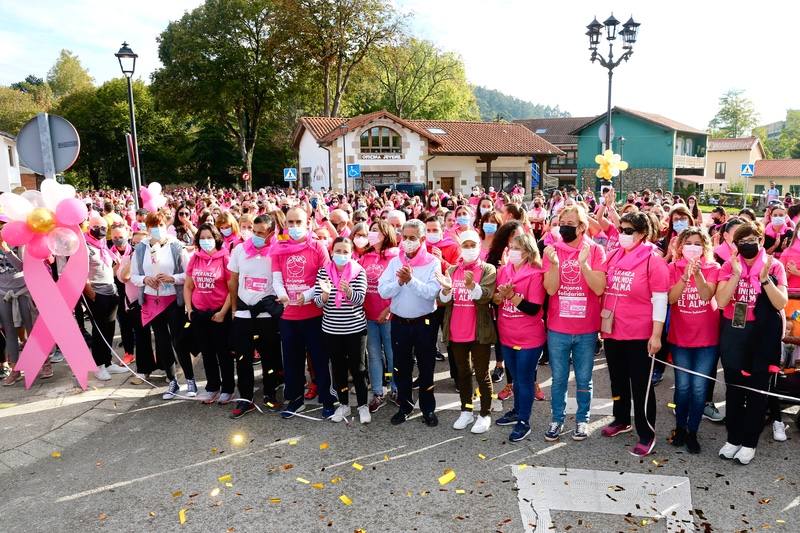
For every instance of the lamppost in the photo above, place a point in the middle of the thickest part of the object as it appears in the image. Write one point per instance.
(628, 34)
(127, 63)
(343, 127)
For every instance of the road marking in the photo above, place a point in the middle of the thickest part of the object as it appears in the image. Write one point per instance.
(348, 461)
(544, 489)
(794, 503)
(242, 453)
(404, 455)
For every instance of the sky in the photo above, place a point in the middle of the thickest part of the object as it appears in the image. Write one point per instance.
(688, 54)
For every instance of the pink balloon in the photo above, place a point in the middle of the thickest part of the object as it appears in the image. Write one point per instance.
(38, 247)
(17, 233)
(144, 194)
(71, 212)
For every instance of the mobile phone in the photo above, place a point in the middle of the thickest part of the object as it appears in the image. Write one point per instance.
(739, 315)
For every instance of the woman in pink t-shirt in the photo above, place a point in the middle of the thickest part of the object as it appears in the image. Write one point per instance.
(574, 279)
(467, 290)
(752, 293)
(791, 262)
(490, 221)
(207, 301)
(519, 297)
(693, 330)
(632, 318)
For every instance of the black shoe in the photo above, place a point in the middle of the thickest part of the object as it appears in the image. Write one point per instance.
(415, 384)
(430, 419)
(399, 417)
(692, 446)
(657, 378)
(497, 374)
(439, 356)
(678, 437)
(272, 403)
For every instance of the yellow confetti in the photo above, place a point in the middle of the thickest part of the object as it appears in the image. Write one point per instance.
(616, 398)
(302, 480)
(408, 493)
(468, 405)
(7, 405)
(293, 442)
(358, 467)
(151, 514)
(214, 450)
(274, 500)
(182, 516)
(215, 492)
(177, 494)
(336, 480)
(229, 485)
(185, 326)
(385, 457)
(671, 405)
(323, 446)
(55, 455)
(655, 462)
(448, 476)
(270, 371)
(523, 466)
(427, 322)
(517, 348)
(460, 491)
(318, 485)
(494, 396)
(481, 456)
(780, 521)
(345, 500)
(270, 405)
(225, 478)
(387, 374)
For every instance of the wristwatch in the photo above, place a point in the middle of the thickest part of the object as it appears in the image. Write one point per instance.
(766, 282)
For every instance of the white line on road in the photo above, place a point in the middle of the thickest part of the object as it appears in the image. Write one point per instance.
(404, 455)
(384, 452)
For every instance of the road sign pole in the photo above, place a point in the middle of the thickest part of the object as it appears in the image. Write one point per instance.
(47, 145)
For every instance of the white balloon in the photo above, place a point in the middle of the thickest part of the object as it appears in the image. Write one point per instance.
(34, 197)
(154, 188)
(15, 206)
(53, 192)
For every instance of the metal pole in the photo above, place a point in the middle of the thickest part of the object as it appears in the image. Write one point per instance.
(46, 142)
(135, 138)
(608, 116)
(344, 162)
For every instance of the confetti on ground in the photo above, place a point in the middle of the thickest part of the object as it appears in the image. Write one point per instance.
(616, 398)
(324, 446)
(7, 405)
(468, 405)
(385, 457)
(523, 466)
(215, 492)
(345, 500)
(102, 516)
(481, 456)
(318, 485)
(274, 500)
(182, 516)
(287, 466)
(225, 478)
(358, 467)
(55, 455)
(151, 514)
(671, 405)
(229, 485)
(336, 480)
(214, 450)
(387, 374)
(303, 480)
(460, 491)
(447, 477)
(237, 439)
(177, 494)
(293, 442)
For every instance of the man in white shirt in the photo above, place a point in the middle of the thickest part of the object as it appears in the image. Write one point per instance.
(409, 280)
(772, 193)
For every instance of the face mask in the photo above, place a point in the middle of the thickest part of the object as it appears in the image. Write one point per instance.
(258, 242)
(362, 205)
(555, 231)
(680, 225)
(747, 250)
(568, 233)
(208, 244)
(374, 237)
(470, 254)
(515, 257)
(463, 220)
(485, 210)
(361, 242)
(692, 251)
(434, 203)
(626, 241)
(434, 237)
(489, 228)
(410, 246)
(98, 233)
(246, 234)
(341, 259)
(297, 233)
(119, 242)
(226, 232)
(778, 221)
(156, 234)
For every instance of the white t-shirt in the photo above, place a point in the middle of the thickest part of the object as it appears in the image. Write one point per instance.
(255, 278)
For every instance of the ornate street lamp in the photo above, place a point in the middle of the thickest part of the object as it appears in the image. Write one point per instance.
(127, 64)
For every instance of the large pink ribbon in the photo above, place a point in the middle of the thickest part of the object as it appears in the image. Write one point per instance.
(55, 303)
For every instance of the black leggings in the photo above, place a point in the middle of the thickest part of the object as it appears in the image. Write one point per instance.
(168, 330)
(211, 338)
(104, 314)
(629, 368)
(249, 334)
(348, 354)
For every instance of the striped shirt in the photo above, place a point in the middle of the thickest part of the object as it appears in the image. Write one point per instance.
(350, 317)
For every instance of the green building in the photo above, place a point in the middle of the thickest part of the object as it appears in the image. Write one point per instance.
(656, 148)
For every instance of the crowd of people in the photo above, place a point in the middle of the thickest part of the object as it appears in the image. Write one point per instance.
(332, 293)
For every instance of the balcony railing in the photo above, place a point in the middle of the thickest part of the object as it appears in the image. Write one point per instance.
(688, 161)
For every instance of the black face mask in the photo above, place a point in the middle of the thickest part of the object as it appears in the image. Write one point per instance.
(747, 250)
(98, 232)
(568, 233)
(120, 242)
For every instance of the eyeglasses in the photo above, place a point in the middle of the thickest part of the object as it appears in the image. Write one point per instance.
(183, 214)
(627, 231)
(360, 219)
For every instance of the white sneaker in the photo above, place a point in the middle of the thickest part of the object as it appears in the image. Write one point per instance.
(225, 398)
(102, 374)
(342, 412)
(204, 395)
(744, 455)
(729, 451)
(363, 414)
(482, 424)
(114, 368)
(779, 431)
(464, 420)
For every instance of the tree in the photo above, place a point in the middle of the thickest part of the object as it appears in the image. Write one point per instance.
(495, 106)
(336, 36)
(230, 61)
(68, 75)
(16, 108)
(735, 117)
(39, 90)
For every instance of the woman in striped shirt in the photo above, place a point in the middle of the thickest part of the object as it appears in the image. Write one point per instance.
(339, 290)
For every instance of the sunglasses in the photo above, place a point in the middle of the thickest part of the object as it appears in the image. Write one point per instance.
(183, 214)
(627, 231)
(360, 219)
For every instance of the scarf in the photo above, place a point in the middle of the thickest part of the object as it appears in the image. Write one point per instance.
(207, 257)
(348, 273)
(516, 275)
(563, 246)
(251, 251)
(289, 247)
(753, 272)
(770, 231)
(632, 259)
(422, 258)
(102, 247)
(723, 251)
(446, 241)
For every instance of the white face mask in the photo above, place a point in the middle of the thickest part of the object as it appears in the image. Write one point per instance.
(485, 210)
(361, 242)
(691, 251)
(246, 234)
(626, 241)
(374, 237)
(470, 254)
(434, 237)
(515, 257)
(410, 246)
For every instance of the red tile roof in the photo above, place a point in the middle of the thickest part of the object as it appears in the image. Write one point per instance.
(777, 168)
(732, 145)
(556, 130)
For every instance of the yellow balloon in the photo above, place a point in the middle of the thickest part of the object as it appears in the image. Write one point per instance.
(41, 220)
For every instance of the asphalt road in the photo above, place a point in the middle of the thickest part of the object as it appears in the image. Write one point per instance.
(163, 463)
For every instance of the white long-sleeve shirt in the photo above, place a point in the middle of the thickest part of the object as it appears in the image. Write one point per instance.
(415, 298)
(158, 260)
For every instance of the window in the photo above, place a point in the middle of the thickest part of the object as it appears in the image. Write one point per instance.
(719, 170)
(758, 189)
(794, 190)
(11, 157)
(437, 131)
(679, 146)
(502, 181)
(539, 131)
(688, 147)
(381, 140)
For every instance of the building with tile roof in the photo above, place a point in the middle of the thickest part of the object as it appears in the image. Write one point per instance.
(784, 172)
(558, 131)
(724, 160)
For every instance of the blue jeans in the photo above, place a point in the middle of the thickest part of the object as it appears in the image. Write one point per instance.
(297, 336)
(523, 366)
(379, 344)
(581, 348)
(690, 390)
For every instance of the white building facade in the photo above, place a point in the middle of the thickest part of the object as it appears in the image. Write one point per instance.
(9, 163)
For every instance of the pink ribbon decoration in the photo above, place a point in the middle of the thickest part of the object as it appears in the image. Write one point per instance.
(55, 324)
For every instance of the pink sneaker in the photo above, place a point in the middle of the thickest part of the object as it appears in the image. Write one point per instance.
(612, 430)
(506, 393)
(643, 450)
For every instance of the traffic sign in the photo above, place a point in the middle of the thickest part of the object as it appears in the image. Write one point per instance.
(748, 169)
(535, 176)
(48, 144)
(245, 176)
(289, 174)
(354, 170)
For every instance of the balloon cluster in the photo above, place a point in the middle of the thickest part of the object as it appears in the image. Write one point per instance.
(152, 199)
(44, 220)
(610, 165)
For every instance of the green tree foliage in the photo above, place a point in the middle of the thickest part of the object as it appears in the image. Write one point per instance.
(39, 90)
(787, 144)
(735, 117)
(495, 105)
(68, 75)
(16, 108)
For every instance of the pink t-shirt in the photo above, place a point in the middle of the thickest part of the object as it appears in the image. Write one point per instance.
(210, 275)
(693, 323)
(463, 321)
(299, 271)
(575, 308)
(629, 290)
(746, 290)
(374, 265)
(516, 329)
(788, 255)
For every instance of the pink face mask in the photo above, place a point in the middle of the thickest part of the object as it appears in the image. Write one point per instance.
(692, 251)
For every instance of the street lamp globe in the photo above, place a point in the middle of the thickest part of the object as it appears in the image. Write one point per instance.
(127, 60)
(611, 24)
(594, 33)
(630, 31)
